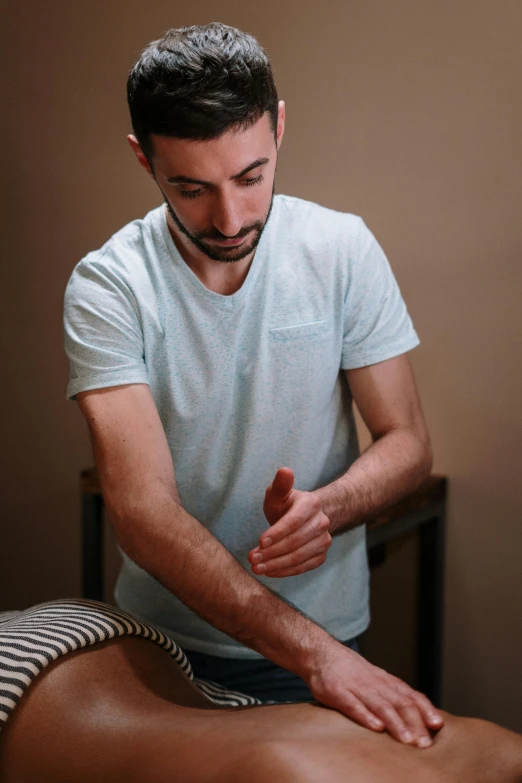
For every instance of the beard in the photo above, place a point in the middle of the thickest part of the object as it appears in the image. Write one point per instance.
(224, 254)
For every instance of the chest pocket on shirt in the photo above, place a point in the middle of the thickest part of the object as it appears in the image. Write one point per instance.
(301, 371)
(304, 333)
(303, 348)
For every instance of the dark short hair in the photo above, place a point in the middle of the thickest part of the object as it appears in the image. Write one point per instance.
(199, 82)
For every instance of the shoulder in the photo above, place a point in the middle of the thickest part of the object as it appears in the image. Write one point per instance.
(317, 226)
(123, 259)
(299, 210)
(313, 231)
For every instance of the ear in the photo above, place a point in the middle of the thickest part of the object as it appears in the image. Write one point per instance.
(280, 122)
(142, 160)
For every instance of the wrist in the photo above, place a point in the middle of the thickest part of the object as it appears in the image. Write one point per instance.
(314, 653)
(336, 504)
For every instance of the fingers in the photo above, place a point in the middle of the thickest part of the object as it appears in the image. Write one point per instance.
(398, 708)
(290, 555)
(282, 484)
(430, 716)
(413, 719)
(316, 548)
(308, 565)
(354, 708)
(378, 700)
(305, 508)
(406, 712)
(401, 720)
(300, 533)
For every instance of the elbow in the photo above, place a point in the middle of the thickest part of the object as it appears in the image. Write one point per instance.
(136, 538)
(143, 527)
(420, 453)
(126, 528)
(426, 458)
(132, 520)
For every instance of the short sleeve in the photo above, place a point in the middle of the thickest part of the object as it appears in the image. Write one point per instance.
(103, 334)
(376, 322)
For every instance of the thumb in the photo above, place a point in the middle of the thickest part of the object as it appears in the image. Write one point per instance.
(282, 484)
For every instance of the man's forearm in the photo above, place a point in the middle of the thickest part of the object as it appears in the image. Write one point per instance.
(392, 467)
(184, 557)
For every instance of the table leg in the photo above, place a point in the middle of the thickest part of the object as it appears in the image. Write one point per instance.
(430, 607)
(92, 547)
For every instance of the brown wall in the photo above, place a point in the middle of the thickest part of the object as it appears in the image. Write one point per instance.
(407, 113)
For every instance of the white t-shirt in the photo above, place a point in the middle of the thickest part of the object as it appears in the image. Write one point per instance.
(244, 384)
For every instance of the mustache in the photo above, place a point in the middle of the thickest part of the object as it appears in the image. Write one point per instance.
(220, 236)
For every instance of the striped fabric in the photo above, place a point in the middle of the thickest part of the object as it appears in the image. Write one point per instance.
(33, 638)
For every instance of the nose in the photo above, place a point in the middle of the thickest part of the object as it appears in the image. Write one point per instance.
(227, 215)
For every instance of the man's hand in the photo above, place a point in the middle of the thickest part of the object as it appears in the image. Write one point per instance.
(298, 539)
(344, 680)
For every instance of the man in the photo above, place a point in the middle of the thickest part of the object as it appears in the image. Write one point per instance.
(223, 337)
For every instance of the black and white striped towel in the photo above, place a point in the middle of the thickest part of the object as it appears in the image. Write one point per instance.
(33, 638)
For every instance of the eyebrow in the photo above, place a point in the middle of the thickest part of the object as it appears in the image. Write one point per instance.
(254, 165)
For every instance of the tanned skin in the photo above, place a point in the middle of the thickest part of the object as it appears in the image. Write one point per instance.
(123, 711)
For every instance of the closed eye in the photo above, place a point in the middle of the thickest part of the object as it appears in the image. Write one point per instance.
(245, 182)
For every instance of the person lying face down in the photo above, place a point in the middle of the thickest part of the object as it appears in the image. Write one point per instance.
(124, 710)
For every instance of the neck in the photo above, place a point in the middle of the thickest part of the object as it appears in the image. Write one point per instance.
(221, 277)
